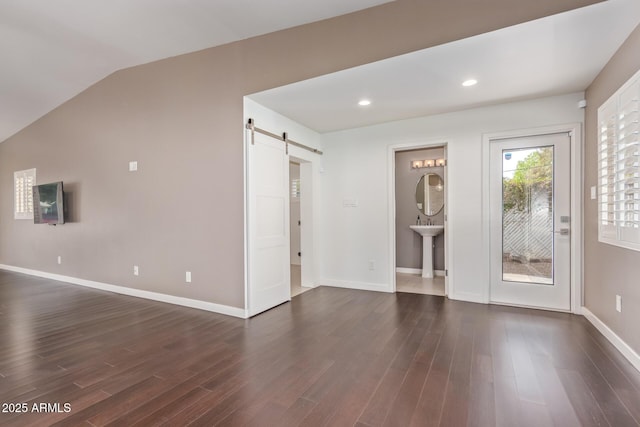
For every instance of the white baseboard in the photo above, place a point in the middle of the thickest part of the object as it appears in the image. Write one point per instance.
(155, 296)
(467, 297)
(613, 338)
(363, 286)
(408, 270)
(417, 271)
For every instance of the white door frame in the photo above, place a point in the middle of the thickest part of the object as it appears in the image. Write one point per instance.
(308, 195)
(575, 131)
(391, 161)
(294, 207)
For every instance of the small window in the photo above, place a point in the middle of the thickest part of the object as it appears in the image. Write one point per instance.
(23, 182)
(619, 167)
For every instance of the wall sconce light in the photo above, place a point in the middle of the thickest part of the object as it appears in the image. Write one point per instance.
(428, 163)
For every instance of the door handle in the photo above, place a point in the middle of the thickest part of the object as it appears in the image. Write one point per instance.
(562, 232)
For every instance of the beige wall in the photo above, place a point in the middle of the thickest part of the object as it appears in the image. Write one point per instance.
(409, 243)
(609, 270)
(181, 119)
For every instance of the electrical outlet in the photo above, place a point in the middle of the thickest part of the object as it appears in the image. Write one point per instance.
(136, 271)
(187, 277)
(59, 259)
(618, 303)
(372, 265)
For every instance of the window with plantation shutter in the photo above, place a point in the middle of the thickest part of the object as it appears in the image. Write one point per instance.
(23, 182)
(619, 167)
(295, 188)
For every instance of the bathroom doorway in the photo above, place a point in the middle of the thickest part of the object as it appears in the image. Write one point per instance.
(420, 188)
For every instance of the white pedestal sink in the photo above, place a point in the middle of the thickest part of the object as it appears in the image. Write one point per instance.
(427, 232)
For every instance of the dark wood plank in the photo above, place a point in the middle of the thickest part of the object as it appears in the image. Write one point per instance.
(586, 406)
(481, 388)
(428, 410)
(407, 397)
(456, 405)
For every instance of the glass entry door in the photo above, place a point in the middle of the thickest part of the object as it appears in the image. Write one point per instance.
(530, 221)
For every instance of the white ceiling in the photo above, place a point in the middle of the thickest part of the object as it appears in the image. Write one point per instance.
(53, 50)
(554, 55)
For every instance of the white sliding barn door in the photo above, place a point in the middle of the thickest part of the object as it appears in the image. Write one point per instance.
(268, 223)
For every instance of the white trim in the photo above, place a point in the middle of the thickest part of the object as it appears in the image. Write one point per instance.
(437, 273)
(139, 293)
(363, 286)
(575, 129)
(532, 307)
(245, 212)
(624, 348)
(308, 228)
(391, 230)
(577, 215)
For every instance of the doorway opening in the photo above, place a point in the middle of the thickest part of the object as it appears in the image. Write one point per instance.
(420, 188)
(296, 195)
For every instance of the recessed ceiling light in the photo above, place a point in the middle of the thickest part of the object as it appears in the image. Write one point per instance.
(364, 102)
(470, 82)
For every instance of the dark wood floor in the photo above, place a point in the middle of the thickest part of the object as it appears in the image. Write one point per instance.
(330, 357)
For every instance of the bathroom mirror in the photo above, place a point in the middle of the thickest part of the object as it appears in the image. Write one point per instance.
(430, 194)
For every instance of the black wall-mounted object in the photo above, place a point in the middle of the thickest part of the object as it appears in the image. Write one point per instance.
(48, 203)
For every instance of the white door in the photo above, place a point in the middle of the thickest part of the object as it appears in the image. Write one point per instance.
(268, 275)
(530, 198)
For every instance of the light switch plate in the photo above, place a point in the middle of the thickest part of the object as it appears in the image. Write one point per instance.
(594, 193)
(349, 202)
(133, 166)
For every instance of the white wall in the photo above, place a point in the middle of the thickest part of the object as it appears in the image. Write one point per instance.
(357, 166)
(310, 167)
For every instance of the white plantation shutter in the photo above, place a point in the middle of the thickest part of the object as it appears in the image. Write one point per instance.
(619, 167)
(23, 182)
(295, 188)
